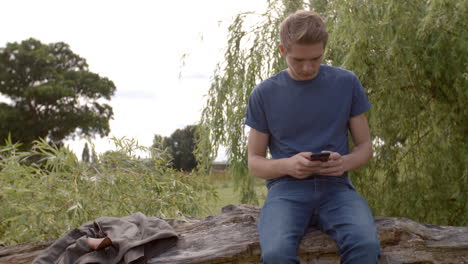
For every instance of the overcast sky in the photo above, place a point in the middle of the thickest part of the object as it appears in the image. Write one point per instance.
(138, 45)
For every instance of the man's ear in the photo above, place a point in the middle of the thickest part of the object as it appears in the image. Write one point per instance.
(282, 50)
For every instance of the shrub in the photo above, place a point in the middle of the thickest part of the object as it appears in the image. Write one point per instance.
(47, 191)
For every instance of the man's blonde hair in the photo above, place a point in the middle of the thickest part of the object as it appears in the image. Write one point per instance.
(303, 27)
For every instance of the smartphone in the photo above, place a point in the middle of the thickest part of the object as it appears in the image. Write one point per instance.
(320, 156)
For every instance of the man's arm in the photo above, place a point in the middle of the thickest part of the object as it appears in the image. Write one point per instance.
(362, 150)
(298, 166)
(361, 154)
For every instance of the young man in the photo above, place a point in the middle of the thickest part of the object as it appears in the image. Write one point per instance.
(309, 108)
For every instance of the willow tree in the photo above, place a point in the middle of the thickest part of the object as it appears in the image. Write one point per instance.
(251, 56)
(410, 57)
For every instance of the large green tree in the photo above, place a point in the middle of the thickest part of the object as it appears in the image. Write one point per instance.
(51, 93)
(412, 59)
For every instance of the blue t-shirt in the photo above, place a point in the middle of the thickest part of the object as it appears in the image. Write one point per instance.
(307, 116)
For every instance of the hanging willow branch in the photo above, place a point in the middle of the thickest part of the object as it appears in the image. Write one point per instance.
(251, 56)
(415, 72)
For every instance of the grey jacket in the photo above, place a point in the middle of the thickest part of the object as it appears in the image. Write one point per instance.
(135, 239)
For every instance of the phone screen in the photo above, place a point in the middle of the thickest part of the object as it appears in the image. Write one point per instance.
(320, 156)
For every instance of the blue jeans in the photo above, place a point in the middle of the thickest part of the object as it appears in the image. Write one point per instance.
(329, 203)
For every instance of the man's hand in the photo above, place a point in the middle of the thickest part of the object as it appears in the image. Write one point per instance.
(300, 167)
(334, 166)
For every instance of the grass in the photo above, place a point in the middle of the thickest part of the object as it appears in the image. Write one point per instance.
(227, 194)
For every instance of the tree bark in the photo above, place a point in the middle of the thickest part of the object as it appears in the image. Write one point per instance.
(231, 237)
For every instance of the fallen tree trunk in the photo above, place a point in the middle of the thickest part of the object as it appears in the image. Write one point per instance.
(231, 237)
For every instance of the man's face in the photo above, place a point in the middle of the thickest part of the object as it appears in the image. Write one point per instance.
(303, 60)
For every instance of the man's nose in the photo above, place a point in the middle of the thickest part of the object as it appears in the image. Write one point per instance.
(308, 67)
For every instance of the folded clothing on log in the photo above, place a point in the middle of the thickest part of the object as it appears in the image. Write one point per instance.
(134, 239)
